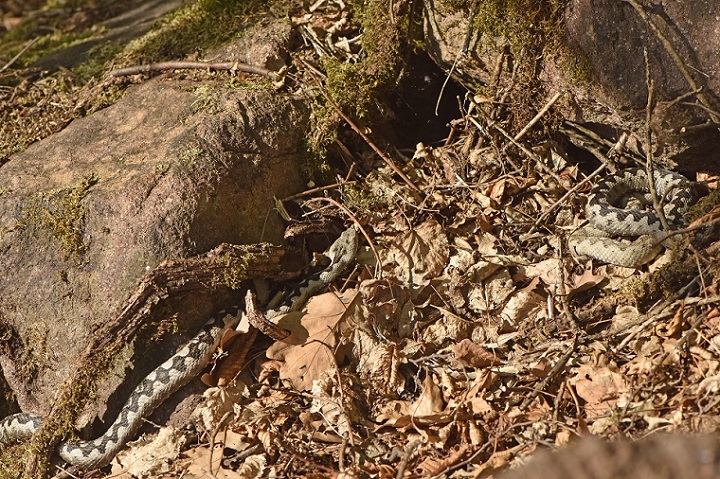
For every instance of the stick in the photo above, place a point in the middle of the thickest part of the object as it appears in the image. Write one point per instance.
(679, 63)
(19, 54)
(367, 140)
(163, 66)
(529, 153)
(648, 144)
(539, 115)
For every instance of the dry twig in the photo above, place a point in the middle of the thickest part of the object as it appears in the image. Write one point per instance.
(388, 161)
(164, 66)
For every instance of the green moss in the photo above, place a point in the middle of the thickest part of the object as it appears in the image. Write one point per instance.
(54, 28)
(240, 261)
(11, 462)
(195, 27)
(189, 157)
(362, 199)
(358, 89)
(64, 95)
(237, 83)
(206, 99)
(703, 206)
(34, 352)
(534, 24)
(96, 62)
(62, 214)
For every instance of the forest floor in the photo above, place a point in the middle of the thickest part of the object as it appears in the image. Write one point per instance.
(465, 336)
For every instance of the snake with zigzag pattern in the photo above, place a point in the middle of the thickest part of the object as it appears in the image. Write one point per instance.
(173, 373)
(630, 236)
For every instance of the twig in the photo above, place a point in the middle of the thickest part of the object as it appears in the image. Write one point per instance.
(407, 453)
(551, 375)
(674, 55)
(367, 140)
(539, 115)
(570, 192)
(460, 56)
(484, 133)
(702, 107)
(648, 144)
(316, 190)
(562, 291)
(19, 54)
(162, 66)
(529, 153)
(689, 229)
(216, 430)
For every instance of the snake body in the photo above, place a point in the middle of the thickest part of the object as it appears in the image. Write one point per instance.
(173, 373)
(629, 235)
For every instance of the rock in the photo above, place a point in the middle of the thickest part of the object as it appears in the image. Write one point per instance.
(660, 456)
(121, 27)
(170, 171)
(607, 85)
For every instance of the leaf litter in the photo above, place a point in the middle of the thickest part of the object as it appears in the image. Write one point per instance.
(467, 337)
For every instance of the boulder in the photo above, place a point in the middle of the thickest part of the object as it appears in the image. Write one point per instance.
(602, 67)
(170, 171)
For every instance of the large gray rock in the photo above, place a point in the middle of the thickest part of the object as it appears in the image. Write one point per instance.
(170, 171)
(660, 456)
(609, 89)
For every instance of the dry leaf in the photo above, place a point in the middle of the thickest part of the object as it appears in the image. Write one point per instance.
(418, 255)
(472, 355)
(309, 350)
(492, 293)
(601, 388)
(234, 348)
(430, 401)
(524, 304)
(379, 360)
(426, 414)
(433, 466)
(201, 468)
(146, 457)
(583, 282)
(674, 328)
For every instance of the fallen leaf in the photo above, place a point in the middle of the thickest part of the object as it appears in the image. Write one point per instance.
(472, 355)
(310, 349)
(201, 467)
(601, 389)
(146, 457)
(426, 415)
(417, 255)
(583, 282)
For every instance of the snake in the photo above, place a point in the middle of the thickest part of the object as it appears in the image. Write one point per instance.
(171, 375)
(626, 234)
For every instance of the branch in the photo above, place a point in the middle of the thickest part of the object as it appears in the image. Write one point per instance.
(162, 66)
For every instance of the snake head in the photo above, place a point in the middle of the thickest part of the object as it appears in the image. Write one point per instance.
(343, 250)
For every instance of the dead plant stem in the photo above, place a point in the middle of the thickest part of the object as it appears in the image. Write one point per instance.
(649, 146)
(19, 54)
(539, 115)
(528, 153)
(569, 193)
(163, 66)
(367, 139)
(679, 63)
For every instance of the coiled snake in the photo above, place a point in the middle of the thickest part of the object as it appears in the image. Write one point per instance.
(630, 235)
(173, 373)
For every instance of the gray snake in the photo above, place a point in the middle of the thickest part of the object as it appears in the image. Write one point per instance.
(630, 235)
(173, 373)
